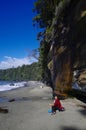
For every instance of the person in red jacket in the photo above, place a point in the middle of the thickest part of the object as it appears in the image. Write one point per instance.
(56, 105)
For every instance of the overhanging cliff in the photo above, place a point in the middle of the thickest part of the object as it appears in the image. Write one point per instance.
(68, 43)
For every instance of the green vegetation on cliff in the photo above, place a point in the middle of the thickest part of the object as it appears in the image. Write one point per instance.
(62, 39)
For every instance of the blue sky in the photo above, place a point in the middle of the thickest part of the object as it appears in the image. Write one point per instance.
(17, 34)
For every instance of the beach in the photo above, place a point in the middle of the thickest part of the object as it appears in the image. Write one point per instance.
(29, 110)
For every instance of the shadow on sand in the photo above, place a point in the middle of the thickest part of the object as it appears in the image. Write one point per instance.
(70, 128)
(83, 110)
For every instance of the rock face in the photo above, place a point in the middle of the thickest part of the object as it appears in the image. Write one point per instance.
(82, 77)
(69, 48)
(64, 73)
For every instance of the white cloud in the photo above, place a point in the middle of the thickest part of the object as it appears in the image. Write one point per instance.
(10, 62)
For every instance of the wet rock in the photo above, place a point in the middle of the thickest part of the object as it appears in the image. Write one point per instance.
(12, 100)
(2, 110)
(82, 77)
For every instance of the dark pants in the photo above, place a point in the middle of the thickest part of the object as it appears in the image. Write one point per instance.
(54, 108)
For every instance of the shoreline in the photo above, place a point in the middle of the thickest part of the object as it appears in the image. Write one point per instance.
(31, 111)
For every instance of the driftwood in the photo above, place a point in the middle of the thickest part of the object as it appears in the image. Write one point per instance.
(2, 110)
(12, 100)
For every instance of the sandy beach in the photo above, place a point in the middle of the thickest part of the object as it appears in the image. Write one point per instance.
(29, 110)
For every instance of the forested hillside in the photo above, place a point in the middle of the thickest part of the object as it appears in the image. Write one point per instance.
(26, 72)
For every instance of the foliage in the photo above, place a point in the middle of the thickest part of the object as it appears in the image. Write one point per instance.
(44, 10)
(26, 72)
(43, 60)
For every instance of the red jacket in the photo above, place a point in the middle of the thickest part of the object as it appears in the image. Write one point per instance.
(57, 103)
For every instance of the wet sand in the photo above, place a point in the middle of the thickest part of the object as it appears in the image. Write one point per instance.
(29, 110)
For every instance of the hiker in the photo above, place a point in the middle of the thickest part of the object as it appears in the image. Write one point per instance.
(56, 105)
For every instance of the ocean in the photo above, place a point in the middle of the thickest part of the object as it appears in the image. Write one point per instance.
(6, 85)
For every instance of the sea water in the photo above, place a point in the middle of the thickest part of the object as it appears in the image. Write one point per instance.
(5, 85)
